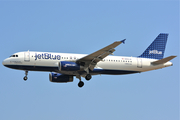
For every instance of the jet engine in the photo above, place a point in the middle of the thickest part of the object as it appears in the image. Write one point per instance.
(68, 66)
(60, 78)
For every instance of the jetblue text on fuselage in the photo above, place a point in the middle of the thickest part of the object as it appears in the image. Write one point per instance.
(47, 56)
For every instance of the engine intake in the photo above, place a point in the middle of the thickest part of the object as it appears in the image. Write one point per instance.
(60, 78)
(68, 66)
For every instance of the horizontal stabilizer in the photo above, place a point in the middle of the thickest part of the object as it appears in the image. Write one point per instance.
(164, 60)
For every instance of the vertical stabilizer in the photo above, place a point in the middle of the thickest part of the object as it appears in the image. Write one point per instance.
(157, 48)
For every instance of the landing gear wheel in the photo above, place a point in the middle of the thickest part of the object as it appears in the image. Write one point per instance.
(25, 78)
(88, 77)
(81, 84)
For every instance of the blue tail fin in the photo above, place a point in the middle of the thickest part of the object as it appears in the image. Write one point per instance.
(157, 47)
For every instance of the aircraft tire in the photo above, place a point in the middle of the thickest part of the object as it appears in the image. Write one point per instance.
(88, 77)
(81, 84)
(25, 78)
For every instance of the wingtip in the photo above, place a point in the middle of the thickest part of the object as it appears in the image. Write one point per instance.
(123, 41)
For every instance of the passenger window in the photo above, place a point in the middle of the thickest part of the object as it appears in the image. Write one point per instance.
(16, 55)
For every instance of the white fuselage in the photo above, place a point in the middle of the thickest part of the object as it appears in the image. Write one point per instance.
(47, 61)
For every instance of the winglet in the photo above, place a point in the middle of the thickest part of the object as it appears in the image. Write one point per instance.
(123, 41)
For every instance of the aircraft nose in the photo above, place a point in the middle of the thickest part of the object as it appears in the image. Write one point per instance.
(4, 62)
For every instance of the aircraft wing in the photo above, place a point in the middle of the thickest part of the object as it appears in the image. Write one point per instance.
(91, 60)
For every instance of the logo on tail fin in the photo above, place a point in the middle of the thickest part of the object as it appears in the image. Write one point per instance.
(156, 48)
(155, 52)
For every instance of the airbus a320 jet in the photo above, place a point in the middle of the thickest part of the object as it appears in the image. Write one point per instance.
(64, 66)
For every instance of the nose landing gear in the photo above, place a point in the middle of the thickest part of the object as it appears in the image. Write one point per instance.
(25, 77)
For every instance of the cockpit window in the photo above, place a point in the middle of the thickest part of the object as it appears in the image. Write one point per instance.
(14, 56)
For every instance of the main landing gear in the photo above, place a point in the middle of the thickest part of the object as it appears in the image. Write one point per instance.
(25, 77)
(88, 77)
(81, 83)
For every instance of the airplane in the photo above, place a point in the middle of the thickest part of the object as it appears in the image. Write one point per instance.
(64, 66)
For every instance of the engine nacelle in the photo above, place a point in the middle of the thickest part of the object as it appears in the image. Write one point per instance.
(68, 66)
(57, 77)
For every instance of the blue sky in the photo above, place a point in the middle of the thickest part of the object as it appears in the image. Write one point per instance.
(84, 27)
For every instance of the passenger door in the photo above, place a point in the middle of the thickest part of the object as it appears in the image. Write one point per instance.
(27, 56)
(139, 62)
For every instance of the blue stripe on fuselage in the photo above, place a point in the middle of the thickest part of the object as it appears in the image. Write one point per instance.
(113, 72)
(32, 68)
(55, 69)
